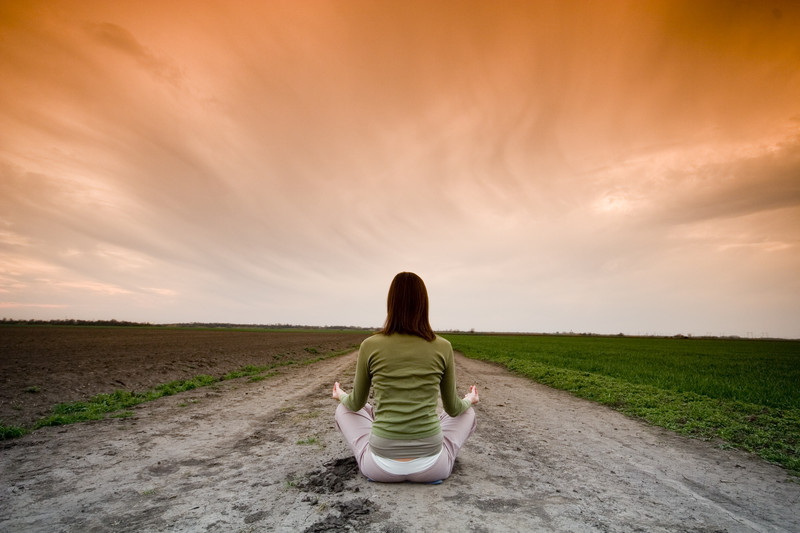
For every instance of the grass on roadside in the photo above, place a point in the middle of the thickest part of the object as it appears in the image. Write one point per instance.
(11, 432)
(118, 402)
(98, 406)
(772, 433)
(249, 370)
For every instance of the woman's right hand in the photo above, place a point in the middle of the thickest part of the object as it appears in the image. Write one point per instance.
(337, 391)
(472, 395)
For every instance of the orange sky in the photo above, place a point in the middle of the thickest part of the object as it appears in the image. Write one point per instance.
(545, 166)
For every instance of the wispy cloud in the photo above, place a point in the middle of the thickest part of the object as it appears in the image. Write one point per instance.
(118, 38)
(765, 179)
(19, 305)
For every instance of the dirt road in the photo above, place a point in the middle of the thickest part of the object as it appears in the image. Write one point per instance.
(265, 457)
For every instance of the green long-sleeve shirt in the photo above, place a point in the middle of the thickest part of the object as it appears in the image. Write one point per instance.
(407, 374)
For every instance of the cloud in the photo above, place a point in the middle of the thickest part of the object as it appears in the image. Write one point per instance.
(543, 166)
(20, 305)
(118, 38)
(764, 181)
(93, 286)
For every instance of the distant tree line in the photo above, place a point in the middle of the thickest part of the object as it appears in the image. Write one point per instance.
(256, 326)
(125, 323)
(73, 322)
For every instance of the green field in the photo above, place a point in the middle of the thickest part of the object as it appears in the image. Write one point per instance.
(746, 393)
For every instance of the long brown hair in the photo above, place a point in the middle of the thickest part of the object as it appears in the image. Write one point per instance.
(407, 307)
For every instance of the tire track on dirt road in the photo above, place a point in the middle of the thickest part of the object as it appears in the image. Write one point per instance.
(265, 456)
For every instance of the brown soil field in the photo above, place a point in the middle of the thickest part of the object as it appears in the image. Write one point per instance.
(69, 364)
(247, 456)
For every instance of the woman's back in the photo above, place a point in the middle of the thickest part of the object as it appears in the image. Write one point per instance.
(407, 374)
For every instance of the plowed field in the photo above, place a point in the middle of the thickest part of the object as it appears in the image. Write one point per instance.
(42, 366)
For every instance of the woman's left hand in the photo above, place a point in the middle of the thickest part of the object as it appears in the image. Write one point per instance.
(472, 395)
(337, 391)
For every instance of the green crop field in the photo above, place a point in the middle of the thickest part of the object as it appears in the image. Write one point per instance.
(745, 393)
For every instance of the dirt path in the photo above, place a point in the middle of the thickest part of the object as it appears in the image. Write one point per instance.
(265, 457)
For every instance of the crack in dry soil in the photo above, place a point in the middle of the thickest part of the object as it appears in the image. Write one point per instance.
(540, 460)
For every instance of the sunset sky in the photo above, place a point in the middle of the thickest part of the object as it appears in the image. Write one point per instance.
(554, 166)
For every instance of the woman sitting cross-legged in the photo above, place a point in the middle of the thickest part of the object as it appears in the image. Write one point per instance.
(401, 437)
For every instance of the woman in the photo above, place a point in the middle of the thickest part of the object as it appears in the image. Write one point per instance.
(402, 438)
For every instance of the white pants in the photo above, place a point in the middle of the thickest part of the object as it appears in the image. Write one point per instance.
(356, 427)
